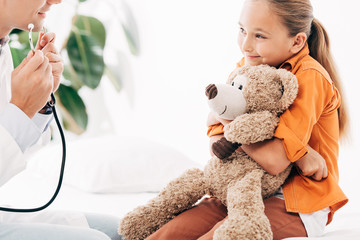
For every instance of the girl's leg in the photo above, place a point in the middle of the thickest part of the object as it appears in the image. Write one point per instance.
(192, 223)
(283, 224)
(36, 231)
(104, 223)
(209, 235)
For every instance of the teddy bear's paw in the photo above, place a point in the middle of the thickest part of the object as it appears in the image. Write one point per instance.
(243, 229)
(139, 223)
(223, 148)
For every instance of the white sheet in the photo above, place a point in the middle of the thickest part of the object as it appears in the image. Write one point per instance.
(28, 190)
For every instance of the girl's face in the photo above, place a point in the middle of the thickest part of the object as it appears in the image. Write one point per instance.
(263, 39)
(23, 12)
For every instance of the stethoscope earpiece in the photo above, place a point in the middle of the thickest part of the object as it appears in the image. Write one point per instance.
(31, 27)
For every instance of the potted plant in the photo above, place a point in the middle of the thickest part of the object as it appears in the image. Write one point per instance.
(83, 54)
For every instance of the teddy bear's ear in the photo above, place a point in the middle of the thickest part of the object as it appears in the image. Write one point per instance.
(290, 89)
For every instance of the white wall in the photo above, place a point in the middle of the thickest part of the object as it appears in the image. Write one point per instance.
(188, 44)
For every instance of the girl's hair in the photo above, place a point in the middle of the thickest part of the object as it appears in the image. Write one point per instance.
(297, 15)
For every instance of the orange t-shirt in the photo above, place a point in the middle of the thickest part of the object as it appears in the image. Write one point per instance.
(312, 119)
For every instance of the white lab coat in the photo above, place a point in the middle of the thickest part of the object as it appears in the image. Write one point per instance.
(13, 159)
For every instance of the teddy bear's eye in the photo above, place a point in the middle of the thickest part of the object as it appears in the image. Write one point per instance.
(241, 87)
(232, 84)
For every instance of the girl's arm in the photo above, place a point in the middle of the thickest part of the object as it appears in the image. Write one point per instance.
(271, 155)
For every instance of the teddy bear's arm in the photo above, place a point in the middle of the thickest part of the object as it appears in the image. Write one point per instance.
(251, 127)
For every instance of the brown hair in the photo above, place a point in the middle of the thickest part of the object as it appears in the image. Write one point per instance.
(297, 16)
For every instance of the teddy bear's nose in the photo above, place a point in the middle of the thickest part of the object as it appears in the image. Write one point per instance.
(211, 91)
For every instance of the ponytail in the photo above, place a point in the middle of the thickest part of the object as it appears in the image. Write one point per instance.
(319, 46)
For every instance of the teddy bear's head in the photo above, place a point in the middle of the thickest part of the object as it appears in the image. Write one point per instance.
(252, 89)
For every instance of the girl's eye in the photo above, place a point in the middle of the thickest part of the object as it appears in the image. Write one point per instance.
(241, 87)
(259, 36)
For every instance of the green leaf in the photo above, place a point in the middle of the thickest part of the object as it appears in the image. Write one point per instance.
(86, 57)
(18, 54)
(115, 76)
(75, 117)
(70, 74)
(93, 27)
(133, 45)
(82, 1)
(20, 46)
(130, 29)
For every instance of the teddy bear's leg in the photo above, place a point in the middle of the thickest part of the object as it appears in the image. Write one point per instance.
(179, 195)
(246, 217)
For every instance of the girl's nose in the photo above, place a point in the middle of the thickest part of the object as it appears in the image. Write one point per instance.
(247, 45)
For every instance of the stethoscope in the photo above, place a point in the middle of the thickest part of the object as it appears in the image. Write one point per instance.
(52, 105)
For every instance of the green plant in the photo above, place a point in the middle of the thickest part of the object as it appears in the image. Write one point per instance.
(83, 53)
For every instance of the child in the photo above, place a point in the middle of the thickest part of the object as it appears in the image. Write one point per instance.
(284, 34)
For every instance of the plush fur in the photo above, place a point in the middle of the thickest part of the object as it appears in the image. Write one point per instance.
(237, 180)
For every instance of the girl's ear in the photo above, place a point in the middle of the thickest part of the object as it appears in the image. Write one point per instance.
(298, 42)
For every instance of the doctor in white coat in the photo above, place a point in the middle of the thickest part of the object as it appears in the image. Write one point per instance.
(24, 118)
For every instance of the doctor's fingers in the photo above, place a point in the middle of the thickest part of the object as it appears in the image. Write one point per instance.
(43, 66)
(43, 74)
(50, 48)
(57, 69)
(54, 57)
(41, 80)
(44, 39)
(36, 62)
(30, 63)
(45, 77)
(57, 63)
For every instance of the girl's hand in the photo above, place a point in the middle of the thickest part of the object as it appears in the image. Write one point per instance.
(47, 46)
(312, 165)
(31, 83)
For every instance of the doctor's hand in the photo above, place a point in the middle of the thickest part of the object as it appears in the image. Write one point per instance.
(32, 83)
(312, 165)
(46, 45)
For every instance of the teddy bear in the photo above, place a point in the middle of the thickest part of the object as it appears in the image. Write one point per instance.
(253, 98)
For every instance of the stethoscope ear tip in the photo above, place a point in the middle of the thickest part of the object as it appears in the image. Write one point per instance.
(30, 26)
